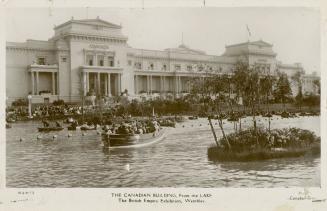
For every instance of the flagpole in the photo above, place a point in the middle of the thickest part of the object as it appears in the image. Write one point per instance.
(249, 32)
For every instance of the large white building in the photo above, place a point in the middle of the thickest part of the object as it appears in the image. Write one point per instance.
(93, 54)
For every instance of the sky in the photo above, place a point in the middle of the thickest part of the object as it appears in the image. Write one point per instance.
(294, 32)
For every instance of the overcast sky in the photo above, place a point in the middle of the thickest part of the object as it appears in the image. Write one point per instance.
(294, 32)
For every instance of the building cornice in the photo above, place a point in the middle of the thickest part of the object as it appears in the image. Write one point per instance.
(101, 69)
(140, 57)
(92, 37)
(42, 68)
(21, 48)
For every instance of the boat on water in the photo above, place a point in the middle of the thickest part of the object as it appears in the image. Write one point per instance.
(88, 127)
(114, 141)
(49, 129)
(193, 117)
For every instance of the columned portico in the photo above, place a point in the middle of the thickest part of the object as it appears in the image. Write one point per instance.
(157, 83)
(44, 79)
(105, 81)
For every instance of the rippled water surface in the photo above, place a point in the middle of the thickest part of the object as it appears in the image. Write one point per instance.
(180, 160)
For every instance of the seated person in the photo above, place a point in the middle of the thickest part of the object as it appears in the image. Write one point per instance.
(58, 124)
(45, 123)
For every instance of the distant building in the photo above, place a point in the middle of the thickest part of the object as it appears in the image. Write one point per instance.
(311, 84)
(92, 56)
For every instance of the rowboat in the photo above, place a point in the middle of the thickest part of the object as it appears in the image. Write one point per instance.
(88, 127)
(49, 129)
(114, 141)
(193, 117)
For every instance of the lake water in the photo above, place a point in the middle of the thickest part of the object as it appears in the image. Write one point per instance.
(180, 160)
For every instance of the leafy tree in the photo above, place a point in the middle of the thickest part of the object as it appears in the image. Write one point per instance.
(283, 89)
(317, 84)
(297, 79)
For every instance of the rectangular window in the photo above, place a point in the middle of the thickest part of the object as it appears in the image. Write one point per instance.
(41, 61)
(164, 67)
(189, 68)
(177, 67)
(110, 61)
(138, 65)
(64, 59)
(89, 60)
(129, 63)
(151, 67)
(100, 60)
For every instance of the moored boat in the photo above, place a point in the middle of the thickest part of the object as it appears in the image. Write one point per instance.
(49, 129)
(193, 117)
(88, 127)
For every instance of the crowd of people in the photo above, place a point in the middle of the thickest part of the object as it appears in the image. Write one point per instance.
(133, 127)
(48, 111)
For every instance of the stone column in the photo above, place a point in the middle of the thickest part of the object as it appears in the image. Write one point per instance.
(180, 84)
(151, 84)
(176, 84)
(32, 78)
(106, 85)
(136, 85)
(189, 86)
(84, 84)
(147, 84)
(87, 82)
(53, 84)
(161, 85)
(98, 84)
(37, 83)
(119, 84)
(109, 85)
(57, 83)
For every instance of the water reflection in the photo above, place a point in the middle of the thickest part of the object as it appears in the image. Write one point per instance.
(178, 161)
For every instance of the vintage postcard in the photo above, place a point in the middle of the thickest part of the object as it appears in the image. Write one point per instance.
(136, 107)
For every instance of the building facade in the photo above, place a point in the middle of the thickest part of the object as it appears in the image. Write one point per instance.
(92, 56)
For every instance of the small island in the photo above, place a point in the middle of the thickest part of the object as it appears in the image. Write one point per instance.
(250, 144)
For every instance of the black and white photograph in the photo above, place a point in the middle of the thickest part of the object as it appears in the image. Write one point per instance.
(163, 97)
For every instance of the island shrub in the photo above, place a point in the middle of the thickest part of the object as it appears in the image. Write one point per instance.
(261, 144)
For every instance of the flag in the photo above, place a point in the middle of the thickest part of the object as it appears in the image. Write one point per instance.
(247, 27)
